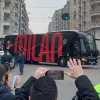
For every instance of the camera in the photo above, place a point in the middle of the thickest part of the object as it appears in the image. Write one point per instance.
(55, 74)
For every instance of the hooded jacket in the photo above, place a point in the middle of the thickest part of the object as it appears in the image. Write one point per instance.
(20, 93)
(5, 93)
(85, 88)
(83, 84)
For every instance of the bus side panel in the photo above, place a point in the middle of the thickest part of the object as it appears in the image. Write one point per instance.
(56, 46)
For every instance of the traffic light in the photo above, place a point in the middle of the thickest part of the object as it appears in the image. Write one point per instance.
(65, 16)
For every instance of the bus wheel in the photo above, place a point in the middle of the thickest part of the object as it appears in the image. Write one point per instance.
(62, 62)
(34, 62)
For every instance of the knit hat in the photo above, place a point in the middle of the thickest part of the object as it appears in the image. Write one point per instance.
(44, 89)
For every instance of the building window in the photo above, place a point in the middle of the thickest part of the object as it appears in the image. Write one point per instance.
(79, 26)
(74, 2)
(7, 3)
(16, 5)
(74, 15)
(6, 29)
(16, 24)
(16, 15)
(6, 16)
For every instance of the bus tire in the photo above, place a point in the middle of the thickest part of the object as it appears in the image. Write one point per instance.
(35, 62)
(62, 62)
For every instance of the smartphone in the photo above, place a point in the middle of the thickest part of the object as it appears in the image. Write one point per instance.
(14, 80)
(55, 74)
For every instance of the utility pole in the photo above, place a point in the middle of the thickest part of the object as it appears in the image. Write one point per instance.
(20, 13)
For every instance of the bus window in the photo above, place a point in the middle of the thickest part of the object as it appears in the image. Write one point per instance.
(76, 48)
(91, 42)
(83, 46)
(64, 41)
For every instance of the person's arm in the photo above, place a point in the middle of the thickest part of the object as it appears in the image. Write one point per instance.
(24, 92)
(85, 88)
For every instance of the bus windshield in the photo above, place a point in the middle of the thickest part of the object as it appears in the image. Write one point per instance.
(91, 42)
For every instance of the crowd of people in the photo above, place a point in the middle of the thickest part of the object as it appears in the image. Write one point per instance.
(6, 60)
(41, 87)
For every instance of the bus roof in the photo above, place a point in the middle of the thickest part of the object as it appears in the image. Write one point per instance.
(72, 31)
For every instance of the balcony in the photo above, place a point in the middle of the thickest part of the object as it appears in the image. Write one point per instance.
(6, 10)
(95, 2)
(6, 16)
(95, 25)
(95, 13)
(6, 29)
(7, 4)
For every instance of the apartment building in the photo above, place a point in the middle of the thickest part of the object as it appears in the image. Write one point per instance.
(95, 17)
(79, 11)
(95, 20)
(85, 16)
(13, 17)
(57, 23)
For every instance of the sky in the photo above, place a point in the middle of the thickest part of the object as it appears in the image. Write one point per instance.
(40, 13)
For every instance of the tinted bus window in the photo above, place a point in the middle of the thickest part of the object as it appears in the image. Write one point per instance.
(83, 46)
(91, 42)
(76, 51)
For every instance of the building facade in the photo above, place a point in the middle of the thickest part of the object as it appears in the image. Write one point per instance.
(95, 20)
(57, 23)
(79, 15)
(85, 16)
(13, 17)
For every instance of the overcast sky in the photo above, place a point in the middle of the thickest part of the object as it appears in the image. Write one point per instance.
(40, 13)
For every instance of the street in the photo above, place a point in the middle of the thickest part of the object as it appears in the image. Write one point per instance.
(66, 87)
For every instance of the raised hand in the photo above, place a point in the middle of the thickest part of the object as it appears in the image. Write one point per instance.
(75, 68)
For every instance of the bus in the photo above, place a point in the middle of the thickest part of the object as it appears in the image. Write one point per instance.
(54, 47)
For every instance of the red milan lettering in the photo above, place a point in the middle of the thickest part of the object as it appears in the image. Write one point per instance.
(16, 44)
(48, 46)
(25, 46)
(29, 48)
(44, 49)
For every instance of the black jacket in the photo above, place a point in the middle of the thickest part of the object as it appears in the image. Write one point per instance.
(85, 88)
(20, 94)
(5, 93)
(83, 84)
(24, 92)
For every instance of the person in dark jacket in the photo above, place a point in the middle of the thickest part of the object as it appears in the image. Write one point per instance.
(45, 88)
(5, 91)
(84, 86)
(41, 87)
(15, 59)
(21, 93)
(5, 86)
(21, 62)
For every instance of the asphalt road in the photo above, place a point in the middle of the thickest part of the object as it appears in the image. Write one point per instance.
(66, 87)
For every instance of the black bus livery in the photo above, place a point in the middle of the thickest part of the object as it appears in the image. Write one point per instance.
(54, 47)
